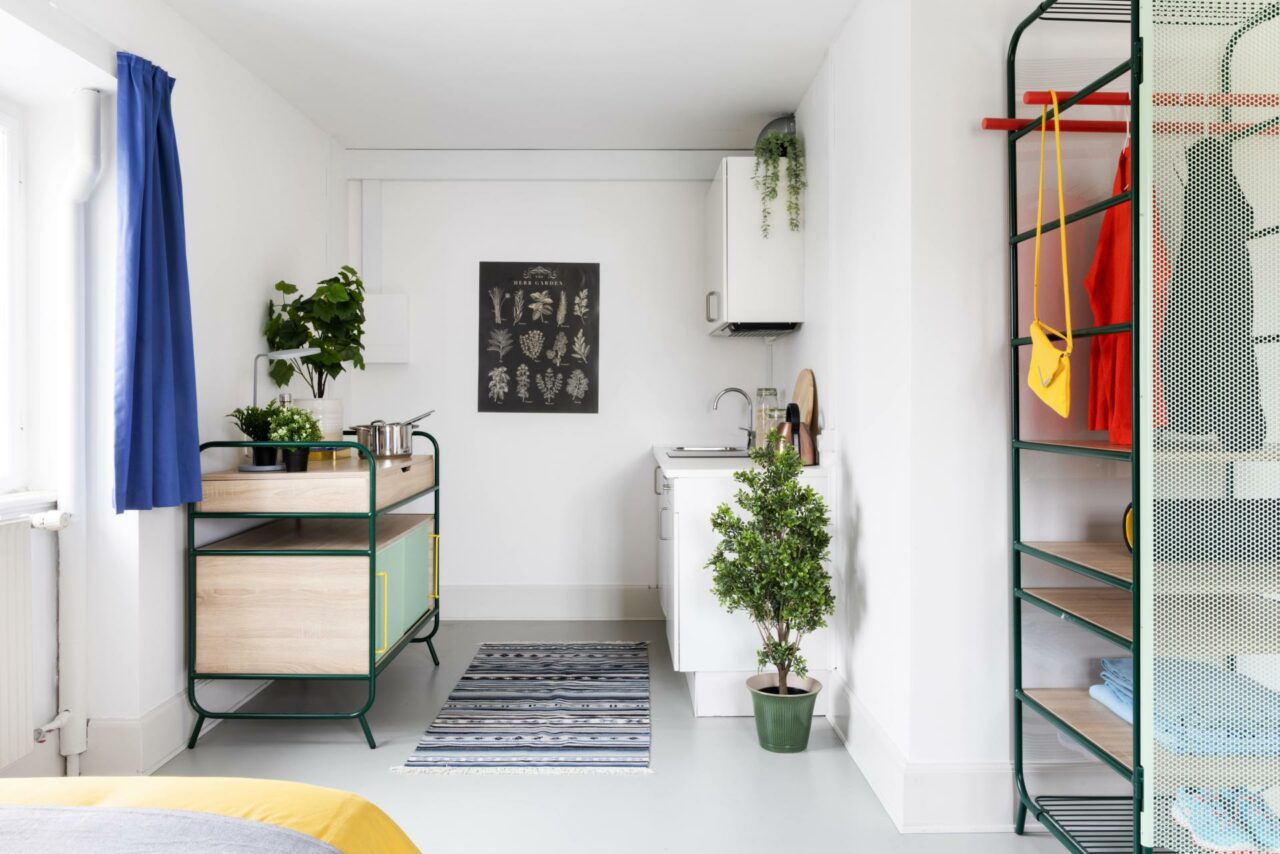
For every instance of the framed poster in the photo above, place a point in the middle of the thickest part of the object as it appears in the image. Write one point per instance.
(539, 337)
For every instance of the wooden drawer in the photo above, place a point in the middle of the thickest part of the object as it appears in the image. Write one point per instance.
(337, 486)
(304, 614)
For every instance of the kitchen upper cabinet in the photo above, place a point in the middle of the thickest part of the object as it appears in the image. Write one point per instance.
(754, 284)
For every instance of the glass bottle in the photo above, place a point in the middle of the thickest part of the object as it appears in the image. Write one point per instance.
(766, 412)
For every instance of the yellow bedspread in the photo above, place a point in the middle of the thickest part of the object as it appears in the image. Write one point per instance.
(347, 822)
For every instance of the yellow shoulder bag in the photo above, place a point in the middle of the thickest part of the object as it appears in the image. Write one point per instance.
(1049, 375)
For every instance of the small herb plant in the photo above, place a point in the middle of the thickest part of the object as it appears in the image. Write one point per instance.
(291, 424)
(331, 319)
(255, 421)
(770, 150)
(771, 563)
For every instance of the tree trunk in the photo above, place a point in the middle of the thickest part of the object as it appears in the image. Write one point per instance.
(782, 681)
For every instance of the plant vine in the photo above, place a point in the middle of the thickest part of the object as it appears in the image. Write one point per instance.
(770, 150)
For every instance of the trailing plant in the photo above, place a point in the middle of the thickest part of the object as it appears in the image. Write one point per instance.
(255, 421)
(292, 424)
(771, 563)
(331, 319)
(770, 150)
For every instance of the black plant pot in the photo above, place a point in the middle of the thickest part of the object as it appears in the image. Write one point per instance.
(264, 456)
(295, 459)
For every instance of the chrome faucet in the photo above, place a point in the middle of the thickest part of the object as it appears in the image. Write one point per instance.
(751, 412)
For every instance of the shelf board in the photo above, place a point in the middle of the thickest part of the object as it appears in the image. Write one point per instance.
(1109, 562)
(1076, 447)
(321, 534)
(1105, 608)
(1088, 719)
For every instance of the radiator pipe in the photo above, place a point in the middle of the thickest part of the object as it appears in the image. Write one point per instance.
(85, 169)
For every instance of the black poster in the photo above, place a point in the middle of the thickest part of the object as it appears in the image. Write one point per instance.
(539, 337)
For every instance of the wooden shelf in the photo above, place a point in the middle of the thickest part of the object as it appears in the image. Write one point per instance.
(1108, 558)
(326, 534)
(1101, 726)
(1105, 607)
(327, 486)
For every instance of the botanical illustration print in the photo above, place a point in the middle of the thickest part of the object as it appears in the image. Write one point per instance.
(581, 349)
(522, 383)
(539, 337)
(549, 383)
(500, 342)
(531, 343)
(499, 383)
(558, 349)
(578, 385)
(498, 296)
(517, 309)
(540, 305)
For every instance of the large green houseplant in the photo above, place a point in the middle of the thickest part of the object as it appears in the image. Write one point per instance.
(771, 563)
(331, 320)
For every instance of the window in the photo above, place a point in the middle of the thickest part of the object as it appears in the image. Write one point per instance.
(12, 328)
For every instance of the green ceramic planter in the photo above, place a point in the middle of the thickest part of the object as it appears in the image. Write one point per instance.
(783, 721)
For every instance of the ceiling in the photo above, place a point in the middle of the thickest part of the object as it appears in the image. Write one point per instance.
(530, 73)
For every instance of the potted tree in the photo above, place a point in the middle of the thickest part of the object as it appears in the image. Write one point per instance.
(293, 424)
(771, 564)
(255, 423)
(331, 320)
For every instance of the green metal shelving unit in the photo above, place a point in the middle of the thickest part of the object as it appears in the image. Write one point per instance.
(377, 662)
(1084, 825)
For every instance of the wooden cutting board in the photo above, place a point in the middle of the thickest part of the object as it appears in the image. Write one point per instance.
(806, 397)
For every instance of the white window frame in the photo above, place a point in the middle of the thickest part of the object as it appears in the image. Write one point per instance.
(13, 339)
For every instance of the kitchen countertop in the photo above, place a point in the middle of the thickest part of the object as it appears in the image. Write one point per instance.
(674, 467)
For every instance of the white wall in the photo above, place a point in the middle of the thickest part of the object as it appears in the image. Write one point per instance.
(549, 516)
(906, 258)
(256, 202)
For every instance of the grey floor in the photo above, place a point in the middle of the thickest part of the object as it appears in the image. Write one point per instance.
(713, 789)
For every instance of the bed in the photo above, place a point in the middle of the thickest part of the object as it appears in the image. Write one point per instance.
(194, 815)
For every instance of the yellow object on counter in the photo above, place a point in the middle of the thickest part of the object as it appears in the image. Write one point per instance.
(346, 821)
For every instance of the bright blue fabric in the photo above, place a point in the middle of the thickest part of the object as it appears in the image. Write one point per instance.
(157, 440)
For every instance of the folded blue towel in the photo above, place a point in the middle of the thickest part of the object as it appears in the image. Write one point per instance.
(1118, 671)
(1104, 695)
(1204, 710)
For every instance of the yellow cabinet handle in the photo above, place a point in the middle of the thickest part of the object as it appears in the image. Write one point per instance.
(435, 567)
(386, 607)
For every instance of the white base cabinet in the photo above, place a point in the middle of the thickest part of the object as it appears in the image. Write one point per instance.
(716, 648)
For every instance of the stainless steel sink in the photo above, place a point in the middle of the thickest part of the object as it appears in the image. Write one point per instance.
(706, 451)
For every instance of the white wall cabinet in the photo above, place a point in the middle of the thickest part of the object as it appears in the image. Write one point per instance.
(716, 649)
(750, 279)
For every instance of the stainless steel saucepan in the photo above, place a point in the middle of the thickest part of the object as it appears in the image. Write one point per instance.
(389, 438)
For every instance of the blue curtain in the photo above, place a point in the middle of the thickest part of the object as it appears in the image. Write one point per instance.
(157, 441)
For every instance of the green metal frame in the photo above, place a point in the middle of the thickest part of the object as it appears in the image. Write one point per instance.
(376, 663)
(1021, 701)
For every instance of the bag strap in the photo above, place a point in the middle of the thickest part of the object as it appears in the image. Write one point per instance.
(1062, 224)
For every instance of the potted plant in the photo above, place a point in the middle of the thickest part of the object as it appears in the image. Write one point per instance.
(776, 152)
(332, 320)
(771, 564)
(293, 424)
(255, 423)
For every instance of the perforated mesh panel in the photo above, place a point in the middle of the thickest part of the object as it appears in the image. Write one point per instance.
(1214, 537)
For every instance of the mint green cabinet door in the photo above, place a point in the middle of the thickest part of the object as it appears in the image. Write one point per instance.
(417, 576)
(387, 626)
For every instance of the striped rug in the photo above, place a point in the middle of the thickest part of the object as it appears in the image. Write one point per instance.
(535, 708)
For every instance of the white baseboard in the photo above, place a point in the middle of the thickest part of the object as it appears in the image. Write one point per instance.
(127, 747)
(550, 602)
(946, 797)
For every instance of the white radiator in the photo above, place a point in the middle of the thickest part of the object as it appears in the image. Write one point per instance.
(15, 641)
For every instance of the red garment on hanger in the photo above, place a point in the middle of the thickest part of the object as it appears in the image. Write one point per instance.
(1110, 287)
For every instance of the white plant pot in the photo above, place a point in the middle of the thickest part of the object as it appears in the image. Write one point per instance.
(328, 411)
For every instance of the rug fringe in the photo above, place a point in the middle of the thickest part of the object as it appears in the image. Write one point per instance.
(541, 770)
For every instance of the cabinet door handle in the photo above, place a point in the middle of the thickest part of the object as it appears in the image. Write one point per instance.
(385, 611)
(661, 511)
(712, 318)
(657, 487)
